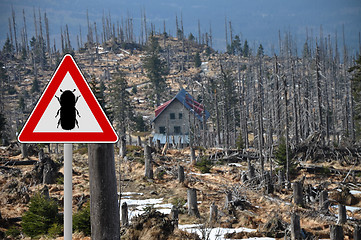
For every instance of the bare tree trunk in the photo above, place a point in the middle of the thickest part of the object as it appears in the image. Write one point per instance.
(125, 220)
(193, 156)
(104, 210)
(192, 202)
(298, 193)
(180, 174)
(342, 217)
(24, 150)
(356, 233)
(295, 227)
(324, 200)
(148, 162)
(174, 215)
(336, 232)
(213, 213)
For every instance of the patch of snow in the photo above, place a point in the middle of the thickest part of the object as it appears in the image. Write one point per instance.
(150, 201)
(131, 193)
(353, 192)
(200, 174)
(349, 208)
(214, 233)
(235, 164)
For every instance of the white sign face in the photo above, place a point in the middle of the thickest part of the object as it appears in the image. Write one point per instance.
(86, 122)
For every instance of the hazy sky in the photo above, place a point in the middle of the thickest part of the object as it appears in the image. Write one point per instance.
(258, 21)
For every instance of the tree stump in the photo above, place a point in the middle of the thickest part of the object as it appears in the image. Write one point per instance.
(356, 232)
(192, 202)
(295, 227)
(180, 174)
(158, 146)
(104, 209)
(281, 178)
(251, 172)
(193, 156)
(174, 215)
(213, 213)
(50, 171)
(324, 203)
(228, 199)
(148, 162)
(336, 232)
(125, 220)
(139, 141)
(342, 218)
(298, 194)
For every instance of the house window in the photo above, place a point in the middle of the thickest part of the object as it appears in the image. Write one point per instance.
(162, 130)
(172, 116)
(180, 115)
(177, 130)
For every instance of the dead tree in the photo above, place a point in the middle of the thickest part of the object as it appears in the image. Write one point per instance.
(192, 202)
(180, 174)
(356, 233)
(122, 147)
(125, 220)
(295, 227)
(104, 210)
(324, 202)
(228, 200)
(298, 194)
(213, 213)
(139, 141)
(174, 215)
(193, 156)
(342, 217)
(148, 162)
(336, 232)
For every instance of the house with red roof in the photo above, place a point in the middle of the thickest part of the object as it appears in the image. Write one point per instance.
(174, 119)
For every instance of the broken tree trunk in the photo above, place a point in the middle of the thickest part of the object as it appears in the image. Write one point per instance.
(157, 145)
(298, 194)
(104, 209)
(193, 156)
(180, 174)
(228, 200)
(324, 203)
(148, 162)
(125, 220)
(139, 141)
(251, 171)
(356, 232)
(174, 215)
(336, 232)
(295, 227)
(341, 214)
(213, 213)
(192, 202)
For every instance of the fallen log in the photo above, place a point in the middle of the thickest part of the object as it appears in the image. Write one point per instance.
(20, 163)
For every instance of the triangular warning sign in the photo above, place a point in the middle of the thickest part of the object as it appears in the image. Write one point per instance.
(67, 111)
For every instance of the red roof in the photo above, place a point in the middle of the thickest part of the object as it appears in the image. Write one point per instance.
(161, 107)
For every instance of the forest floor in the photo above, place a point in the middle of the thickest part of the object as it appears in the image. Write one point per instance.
(261, 214)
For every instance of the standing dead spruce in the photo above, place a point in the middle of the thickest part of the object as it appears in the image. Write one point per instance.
(67, 110)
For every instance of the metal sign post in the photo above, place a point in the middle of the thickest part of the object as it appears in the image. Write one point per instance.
(68, 190)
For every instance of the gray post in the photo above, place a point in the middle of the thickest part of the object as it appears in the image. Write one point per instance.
(104, 209)
(336, 232)
(125, 220)
(148, 162)
(180, 174)
(192, 202)
(324, 200)
(68, 191)
(297, 193)
(295, 227)
(356, 233)
(341, 214)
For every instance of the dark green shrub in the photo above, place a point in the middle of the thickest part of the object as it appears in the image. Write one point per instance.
(204, 165)
(42, 214)
(13, 232)
(81, 220)
(56, 230)
(281, 158)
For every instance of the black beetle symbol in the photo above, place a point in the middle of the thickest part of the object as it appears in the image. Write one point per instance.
(67, 110)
